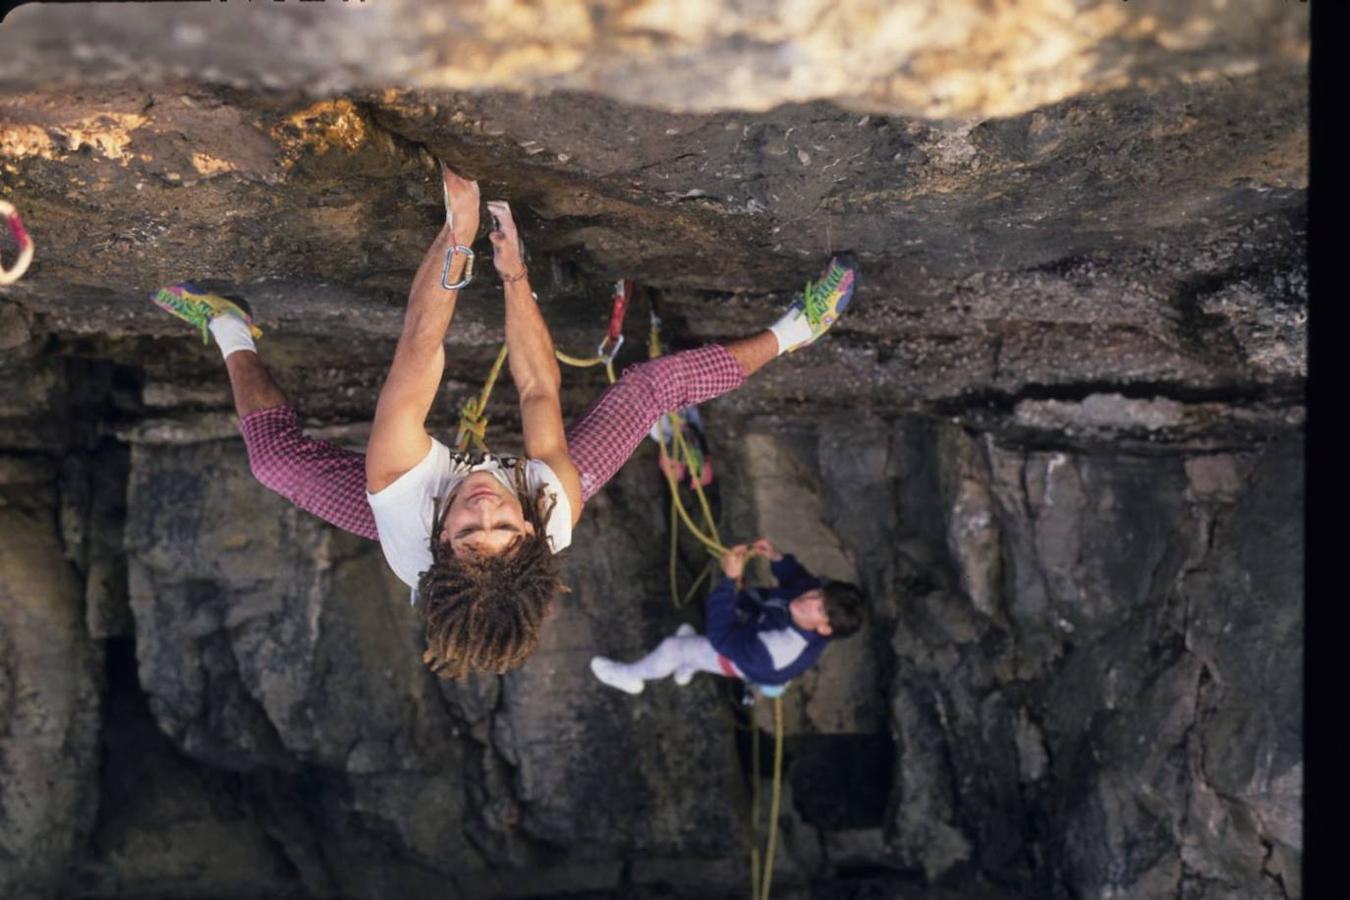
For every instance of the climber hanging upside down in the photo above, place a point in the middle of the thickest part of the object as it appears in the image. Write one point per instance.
(475, 535)
(763, 636)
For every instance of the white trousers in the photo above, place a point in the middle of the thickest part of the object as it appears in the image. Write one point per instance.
(680, 655)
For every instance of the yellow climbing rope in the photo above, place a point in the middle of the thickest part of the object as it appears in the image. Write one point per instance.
(761, 876)
(11, 217)
(776, 795)
(473, 418)
(754, 812)
(712, 540)
(600, 357)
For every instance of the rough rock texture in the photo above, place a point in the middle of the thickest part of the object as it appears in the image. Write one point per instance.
(48, 690)
(961, 57)
(1057, 439)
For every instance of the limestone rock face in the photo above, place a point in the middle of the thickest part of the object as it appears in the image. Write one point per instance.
(1057, 439)
(49, 691)
(925, 58)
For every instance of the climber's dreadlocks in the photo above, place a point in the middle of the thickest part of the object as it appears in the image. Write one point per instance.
(483, 612)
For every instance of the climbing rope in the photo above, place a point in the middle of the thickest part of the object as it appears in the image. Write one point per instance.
(754, 812)
(613, 339)
(473, 419)
(761, 875)
(11, 217)
(776, 795)
(680, 448)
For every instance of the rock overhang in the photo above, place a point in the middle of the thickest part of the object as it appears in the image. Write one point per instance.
(1139, 232)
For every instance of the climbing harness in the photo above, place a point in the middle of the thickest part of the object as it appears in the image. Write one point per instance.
(11, 217)
(768, 691)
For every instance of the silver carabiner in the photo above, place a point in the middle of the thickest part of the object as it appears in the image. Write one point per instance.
(468, 269)
(613, 351)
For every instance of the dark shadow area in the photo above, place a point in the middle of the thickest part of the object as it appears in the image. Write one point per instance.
(841, 780)
(166, 824)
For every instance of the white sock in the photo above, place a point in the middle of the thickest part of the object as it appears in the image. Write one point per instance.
(231, 335)
(792, 330)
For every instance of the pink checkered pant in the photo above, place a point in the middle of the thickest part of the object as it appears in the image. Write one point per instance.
(330, 482)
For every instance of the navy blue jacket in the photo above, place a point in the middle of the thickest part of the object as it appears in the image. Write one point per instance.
(754, 629)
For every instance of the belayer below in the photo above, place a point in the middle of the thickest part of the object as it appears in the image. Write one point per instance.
(765, 637)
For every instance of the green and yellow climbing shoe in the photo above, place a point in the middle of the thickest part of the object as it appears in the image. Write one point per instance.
(820, 303)
(199, 308)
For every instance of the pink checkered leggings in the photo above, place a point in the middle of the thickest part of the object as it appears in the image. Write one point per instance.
(330, 482)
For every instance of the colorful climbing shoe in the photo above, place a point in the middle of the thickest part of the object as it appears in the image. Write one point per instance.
(824, 300)
(611, 673)
(199, 308)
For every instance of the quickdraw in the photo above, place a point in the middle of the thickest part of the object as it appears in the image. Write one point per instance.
(11, 216)
(609, 345)
(613, 339)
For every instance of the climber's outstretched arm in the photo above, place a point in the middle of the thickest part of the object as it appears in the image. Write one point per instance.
(534, 367)
(398, 437)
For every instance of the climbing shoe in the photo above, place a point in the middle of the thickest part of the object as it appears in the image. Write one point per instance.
(672, 462)
(821, 302)
(199, 308)
(613, 674)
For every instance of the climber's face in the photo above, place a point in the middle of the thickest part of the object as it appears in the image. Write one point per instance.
(808, 612)
(484, 517)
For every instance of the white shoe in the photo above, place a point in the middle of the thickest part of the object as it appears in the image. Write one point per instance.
(611, 673)
(685, 630)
